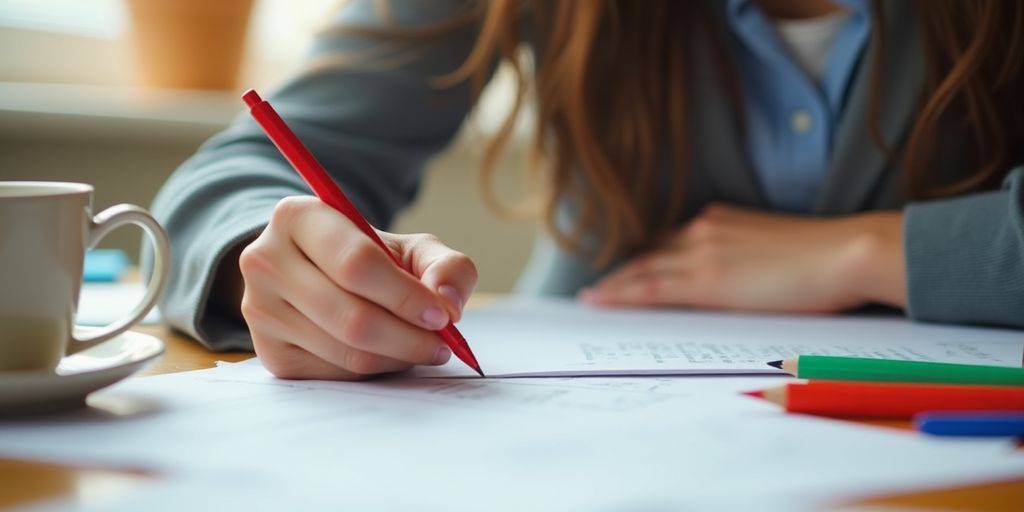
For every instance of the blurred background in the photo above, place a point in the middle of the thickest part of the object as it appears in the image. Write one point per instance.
(117, 93)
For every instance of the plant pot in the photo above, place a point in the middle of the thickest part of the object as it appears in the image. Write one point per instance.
(193, 44)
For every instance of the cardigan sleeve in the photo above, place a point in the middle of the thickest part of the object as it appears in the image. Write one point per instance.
(965, 257)
(369, 111)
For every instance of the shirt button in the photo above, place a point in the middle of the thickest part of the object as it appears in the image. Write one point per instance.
(801, 121)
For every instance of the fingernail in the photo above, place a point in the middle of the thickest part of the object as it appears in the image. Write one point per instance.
(442, 355)
(451, 295)
(434, 318)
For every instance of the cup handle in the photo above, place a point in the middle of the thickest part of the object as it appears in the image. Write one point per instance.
(105, 222)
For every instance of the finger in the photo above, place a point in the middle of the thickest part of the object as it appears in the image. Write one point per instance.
(356, 263)
(281, 358)
(749, 217)
(653, 263)
(715, 223)
(274, 323)
(354, 321)
(288, 361)
(694, 233)
(727, 212)
(289, 326)
(675, 289)
(449, 273)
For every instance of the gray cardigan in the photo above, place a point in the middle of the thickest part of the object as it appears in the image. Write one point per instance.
(374, 129)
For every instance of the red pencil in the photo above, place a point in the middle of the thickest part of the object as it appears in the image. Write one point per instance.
(330, 193)
(889, 400)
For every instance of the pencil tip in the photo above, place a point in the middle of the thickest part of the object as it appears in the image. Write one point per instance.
(481, 372)
(758, 393)
(777, 364)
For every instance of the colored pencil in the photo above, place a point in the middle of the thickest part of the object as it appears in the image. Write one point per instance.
(890, 370)
(970, 424)
(889, 400)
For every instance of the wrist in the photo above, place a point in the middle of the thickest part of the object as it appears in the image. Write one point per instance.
(873, 263)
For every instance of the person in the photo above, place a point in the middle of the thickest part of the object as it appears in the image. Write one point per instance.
(758, 155)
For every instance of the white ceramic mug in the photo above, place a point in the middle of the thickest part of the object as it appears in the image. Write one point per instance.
(45, 229)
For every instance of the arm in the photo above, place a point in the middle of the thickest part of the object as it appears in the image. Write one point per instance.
(965, 257)
(372, 127)
(737, 258)
(954, 260)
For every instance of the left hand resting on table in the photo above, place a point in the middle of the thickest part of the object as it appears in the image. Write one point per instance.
(736, 258)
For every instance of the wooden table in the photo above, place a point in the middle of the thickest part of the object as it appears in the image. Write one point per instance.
(25, 482)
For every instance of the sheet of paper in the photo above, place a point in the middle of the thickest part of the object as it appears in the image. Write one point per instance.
(604, 444)
(535, 338)
(102, 303)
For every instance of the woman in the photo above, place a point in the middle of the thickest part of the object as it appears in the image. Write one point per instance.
(773, 155)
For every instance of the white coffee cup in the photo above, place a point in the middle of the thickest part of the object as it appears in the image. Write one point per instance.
(45, 229)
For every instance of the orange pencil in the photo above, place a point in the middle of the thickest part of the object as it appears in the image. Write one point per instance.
(889, 400)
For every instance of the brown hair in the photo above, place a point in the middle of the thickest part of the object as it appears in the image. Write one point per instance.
(975, 74)
(612, 94)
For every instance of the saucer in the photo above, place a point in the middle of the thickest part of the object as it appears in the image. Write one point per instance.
(23, 393)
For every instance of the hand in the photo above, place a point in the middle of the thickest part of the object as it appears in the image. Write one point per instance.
(323, 301)
(735, 258)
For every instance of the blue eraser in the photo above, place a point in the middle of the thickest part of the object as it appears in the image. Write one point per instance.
(104, 265)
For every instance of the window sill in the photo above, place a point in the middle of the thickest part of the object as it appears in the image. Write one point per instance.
(91, 111)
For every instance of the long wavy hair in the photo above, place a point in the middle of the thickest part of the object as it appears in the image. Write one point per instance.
(611, 90)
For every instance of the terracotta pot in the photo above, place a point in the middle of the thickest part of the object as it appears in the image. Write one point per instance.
(193, 44)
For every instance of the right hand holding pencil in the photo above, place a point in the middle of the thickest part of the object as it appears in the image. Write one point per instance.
(322, 301)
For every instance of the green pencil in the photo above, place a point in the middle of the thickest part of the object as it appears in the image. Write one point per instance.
(892, 370)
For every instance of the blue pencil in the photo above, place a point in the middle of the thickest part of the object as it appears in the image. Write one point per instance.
(971, 424)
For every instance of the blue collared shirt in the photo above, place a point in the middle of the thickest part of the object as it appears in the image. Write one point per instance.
(791, 119)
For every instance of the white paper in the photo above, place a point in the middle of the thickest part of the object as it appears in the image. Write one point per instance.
(656, 443)
(100, 304)
(520, 338)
